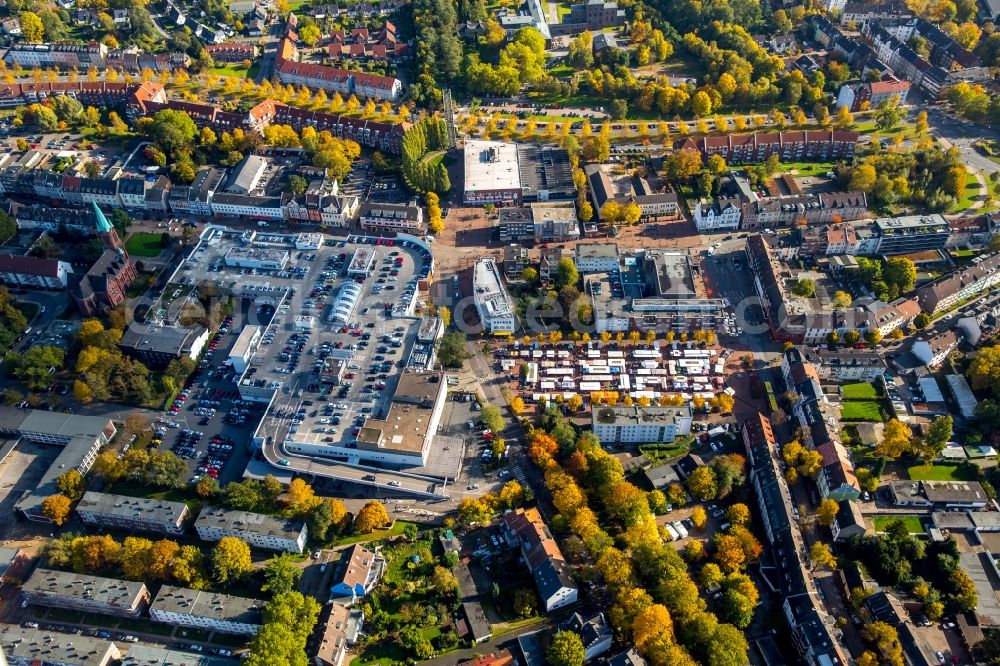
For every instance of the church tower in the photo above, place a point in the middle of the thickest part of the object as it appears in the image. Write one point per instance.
(106, 232)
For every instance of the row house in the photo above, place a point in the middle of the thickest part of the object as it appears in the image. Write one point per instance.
(799, 146)
(134, 60)
(147, 99)
(970, 232)
(402, 218)
(232, 52)
(824, 208)
(332, 79)
(60, 56)
(383, 136)
(846, 365)
(51, 218)
(945, 52)
(226, 204)
(361, 43)
(907, 64)
(862, 13)
(718, 215)
(95, 93)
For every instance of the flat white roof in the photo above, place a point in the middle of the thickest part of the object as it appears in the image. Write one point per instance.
(242, 345)
(491, 165)
(490, 291)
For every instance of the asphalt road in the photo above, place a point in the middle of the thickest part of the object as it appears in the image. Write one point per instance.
(961, 135)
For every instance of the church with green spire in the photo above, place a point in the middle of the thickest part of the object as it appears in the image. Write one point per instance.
(103, 287)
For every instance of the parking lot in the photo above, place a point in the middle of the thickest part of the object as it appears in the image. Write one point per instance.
(69, 150)
(336, 330)
(208, 424)
(373, 342)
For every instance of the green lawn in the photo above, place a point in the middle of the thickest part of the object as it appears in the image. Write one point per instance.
(942, 473)
(913, 524)
(861, 410)
(232, 70)
(142, 244)
(969, 195)
(860, 391)
(395, 530)
(806, 168)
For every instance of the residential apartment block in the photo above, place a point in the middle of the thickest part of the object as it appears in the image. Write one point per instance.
(960, 285)
(718, 215)
(34, 272)
(340, 632)
(210, 611)
(636, 424)
(133, 513)
(802, 146)
(526, 529)
(912, 233)
(23, 646)
(91, 594)
(869, 95)
(257, 529)
(597, 257)
(343, 81)
(811, 627)
(593, 15)
(860, 13)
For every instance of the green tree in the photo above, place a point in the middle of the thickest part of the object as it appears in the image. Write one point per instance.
(492, 418)
(173, 130)
(566, 273)
(281, 574)
(842, 299)
(289, 620)
(566, 649)
(804, 288)
(34, 367)
(984, 371)
(451, 351)
(900, 273)
(889, 114)
(938, 435)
